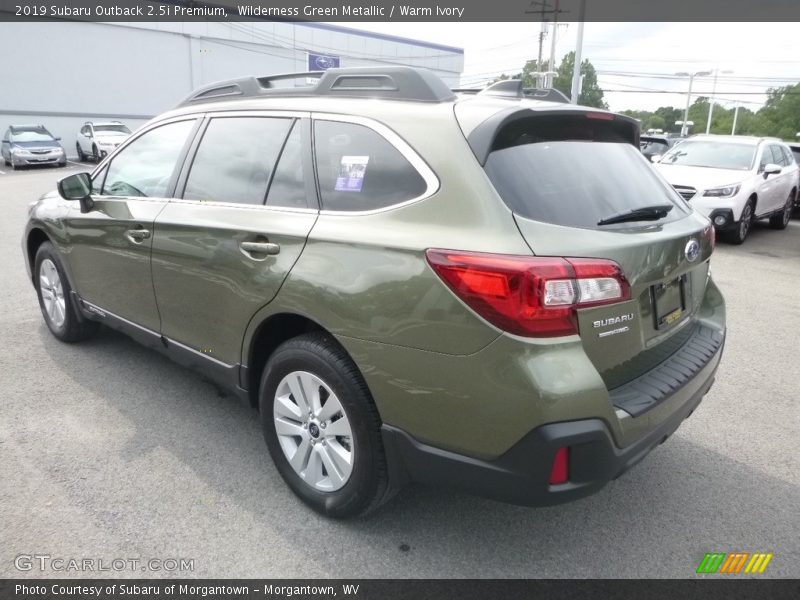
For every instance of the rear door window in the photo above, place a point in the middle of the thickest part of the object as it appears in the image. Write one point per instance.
(577, 183)
(235, 159)
(358, 169)
(288, 187)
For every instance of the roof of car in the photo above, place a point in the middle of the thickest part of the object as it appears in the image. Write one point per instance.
(739, 139)
(27, 127)
(382, 93)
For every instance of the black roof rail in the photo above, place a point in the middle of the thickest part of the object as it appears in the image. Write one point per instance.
(512, 88)
(391, 83)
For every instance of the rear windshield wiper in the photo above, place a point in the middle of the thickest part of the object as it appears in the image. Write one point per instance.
(646, 213)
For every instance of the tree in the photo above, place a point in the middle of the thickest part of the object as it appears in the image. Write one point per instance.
(591, 92)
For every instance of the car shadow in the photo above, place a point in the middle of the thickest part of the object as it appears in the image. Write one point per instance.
(658, 520)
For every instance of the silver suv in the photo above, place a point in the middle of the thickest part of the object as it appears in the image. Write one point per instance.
(96, 140)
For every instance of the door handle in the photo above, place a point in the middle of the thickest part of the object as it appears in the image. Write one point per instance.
(137, 236)
(268, 248)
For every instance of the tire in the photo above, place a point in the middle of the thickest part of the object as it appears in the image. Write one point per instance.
(739, 235)
(58, 307)
(8, 163)
(320, 478)
(81, 155)
(781, 220)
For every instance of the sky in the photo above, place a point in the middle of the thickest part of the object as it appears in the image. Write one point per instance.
(636, 62)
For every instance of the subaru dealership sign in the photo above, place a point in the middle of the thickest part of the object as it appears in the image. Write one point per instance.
(322, 62)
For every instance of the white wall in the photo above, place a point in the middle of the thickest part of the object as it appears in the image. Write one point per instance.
(76, 72)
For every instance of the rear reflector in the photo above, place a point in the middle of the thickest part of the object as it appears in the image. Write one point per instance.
(710, 234)
(529, 295)
(560, 472)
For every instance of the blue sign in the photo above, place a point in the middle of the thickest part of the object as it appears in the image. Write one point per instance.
(322, 62)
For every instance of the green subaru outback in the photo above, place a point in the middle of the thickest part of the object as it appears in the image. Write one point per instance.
(489, 291)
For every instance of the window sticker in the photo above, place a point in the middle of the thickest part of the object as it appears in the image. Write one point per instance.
(351, 173)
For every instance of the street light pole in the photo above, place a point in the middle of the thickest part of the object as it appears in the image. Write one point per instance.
(711, 101)
(735, 117)
(691, 76)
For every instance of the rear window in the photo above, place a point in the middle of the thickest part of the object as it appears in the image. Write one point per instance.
(653, 146)
(577, 183)
(358, 169)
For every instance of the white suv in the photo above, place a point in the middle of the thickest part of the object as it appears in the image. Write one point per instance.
(734, 180)
(96, 140)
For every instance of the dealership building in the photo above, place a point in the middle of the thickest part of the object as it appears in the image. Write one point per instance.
(62, 74)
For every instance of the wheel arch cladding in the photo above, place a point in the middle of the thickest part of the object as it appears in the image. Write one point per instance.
(36, 237)
(270, 334)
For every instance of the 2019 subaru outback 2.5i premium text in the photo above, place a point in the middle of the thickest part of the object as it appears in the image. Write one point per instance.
(493, 291)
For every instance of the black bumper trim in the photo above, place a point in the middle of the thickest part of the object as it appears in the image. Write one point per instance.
(659, 383)
(520, 476)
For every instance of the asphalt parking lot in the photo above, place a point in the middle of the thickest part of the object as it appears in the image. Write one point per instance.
(108, 450)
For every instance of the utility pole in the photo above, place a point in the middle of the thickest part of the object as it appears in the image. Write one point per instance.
(735, 116)
(576, 68)
(552, 64)
(542, 34)
(542, 8)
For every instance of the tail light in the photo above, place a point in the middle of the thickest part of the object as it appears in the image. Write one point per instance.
(559, 473)
(530, 296)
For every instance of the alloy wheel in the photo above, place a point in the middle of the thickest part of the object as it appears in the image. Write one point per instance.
(313, 431)
(52, 293)
(787, 210)
(744, 222)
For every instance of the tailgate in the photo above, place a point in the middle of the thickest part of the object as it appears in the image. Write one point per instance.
(667, 268)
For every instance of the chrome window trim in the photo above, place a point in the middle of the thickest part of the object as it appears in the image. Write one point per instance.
(404, 148)
(242, 205)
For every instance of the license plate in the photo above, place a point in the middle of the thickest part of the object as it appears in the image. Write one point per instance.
(669, 301)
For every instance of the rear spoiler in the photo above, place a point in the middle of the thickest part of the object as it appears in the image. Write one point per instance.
(483, 137)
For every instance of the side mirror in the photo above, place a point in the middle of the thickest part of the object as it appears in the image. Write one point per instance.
(58, 139)
(655, 158)
(771, 169)
(77, 187)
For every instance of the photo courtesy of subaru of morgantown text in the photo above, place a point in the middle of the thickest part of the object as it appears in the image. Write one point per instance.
(491, 289)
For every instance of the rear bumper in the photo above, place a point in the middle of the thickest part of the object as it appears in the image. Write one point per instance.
(520, 475)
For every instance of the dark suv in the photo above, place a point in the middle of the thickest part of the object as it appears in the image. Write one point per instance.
(490, 291)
